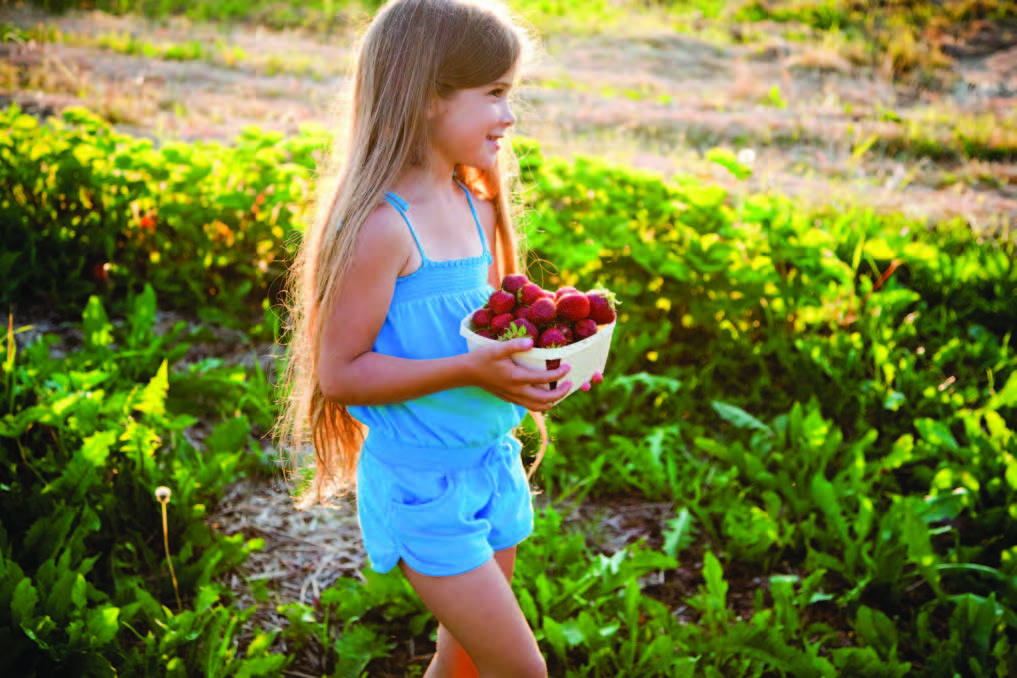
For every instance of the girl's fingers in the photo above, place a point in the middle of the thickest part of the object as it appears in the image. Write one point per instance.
(553, 396)
(536, 398)
(542, 376)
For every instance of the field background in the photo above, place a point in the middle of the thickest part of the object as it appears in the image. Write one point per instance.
(802, 462)
(908, 108)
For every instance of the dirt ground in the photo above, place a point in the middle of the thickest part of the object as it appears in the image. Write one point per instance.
(691, 96)
(650, 99)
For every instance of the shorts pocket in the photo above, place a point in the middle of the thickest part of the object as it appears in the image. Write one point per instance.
(420, 490)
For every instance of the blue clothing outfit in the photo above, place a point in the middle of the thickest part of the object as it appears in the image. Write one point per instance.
(440, 481)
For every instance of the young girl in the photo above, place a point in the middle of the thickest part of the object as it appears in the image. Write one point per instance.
(412, 235)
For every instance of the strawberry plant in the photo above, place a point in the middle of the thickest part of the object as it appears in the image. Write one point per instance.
(84, 440)
(823, 398)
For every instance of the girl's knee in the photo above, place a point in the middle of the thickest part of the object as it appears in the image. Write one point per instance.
(530, 665)
(537, 667)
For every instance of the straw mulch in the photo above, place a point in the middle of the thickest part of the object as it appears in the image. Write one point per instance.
(305, 551)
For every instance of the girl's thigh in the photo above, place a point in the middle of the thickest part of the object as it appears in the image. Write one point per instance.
(480, 611)
(506, 559)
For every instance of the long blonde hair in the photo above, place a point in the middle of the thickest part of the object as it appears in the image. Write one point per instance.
(412, 51)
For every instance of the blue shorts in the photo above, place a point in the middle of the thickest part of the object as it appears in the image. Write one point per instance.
(444, 511)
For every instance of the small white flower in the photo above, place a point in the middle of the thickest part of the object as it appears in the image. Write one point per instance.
(746, 156)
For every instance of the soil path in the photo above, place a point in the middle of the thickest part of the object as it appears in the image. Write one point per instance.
(650, 99)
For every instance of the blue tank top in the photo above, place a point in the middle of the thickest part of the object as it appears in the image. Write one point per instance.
(423, 323)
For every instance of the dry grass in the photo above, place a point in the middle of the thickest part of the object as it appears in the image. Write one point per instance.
(819, 58)
(30, 67)
(746, 85)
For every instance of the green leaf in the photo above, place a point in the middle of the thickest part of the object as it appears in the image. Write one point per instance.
(142, 319)
(739, 417)
(876, 630)
(78, 592)
(357, 646)
(555, 637)
(679, 533)
(977, 616)
(153, 396)
(229, 436)
(728, 160)
(24, 601)
(716, 590)
(894, 400)
(937, 433)
(1007, 396)
(101, 624)
(98, 332)
(879, 249)
(58, 601)
(263, 666)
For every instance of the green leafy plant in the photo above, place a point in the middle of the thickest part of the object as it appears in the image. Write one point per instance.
(84, 440)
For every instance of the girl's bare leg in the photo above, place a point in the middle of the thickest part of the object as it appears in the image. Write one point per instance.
(480, 619)
(451, 659)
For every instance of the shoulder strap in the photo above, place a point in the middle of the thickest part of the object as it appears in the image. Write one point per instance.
(401, 206)
(480, 231)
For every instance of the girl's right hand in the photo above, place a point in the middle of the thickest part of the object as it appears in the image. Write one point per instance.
(492, 369)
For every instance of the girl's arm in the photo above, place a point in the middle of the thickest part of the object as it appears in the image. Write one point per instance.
(351, 373)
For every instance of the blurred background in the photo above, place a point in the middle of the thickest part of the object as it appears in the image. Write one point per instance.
(902, 104)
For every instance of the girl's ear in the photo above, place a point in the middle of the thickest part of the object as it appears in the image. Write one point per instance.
(435, 106)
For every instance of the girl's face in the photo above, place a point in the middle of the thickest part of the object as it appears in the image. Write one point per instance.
(467, 127)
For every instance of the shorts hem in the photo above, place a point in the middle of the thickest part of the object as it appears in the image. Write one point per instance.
(515, 541)
(383, 568)
(444, 571)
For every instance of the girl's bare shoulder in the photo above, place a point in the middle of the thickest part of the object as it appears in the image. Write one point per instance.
(384, 236)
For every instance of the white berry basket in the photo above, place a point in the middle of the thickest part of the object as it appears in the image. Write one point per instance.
(585, 358)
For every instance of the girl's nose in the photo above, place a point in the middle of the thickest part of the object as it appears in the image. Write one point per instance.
(508, 118)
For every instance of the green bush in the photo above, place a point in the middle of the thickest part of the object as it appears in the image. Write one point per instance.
(830, 389)
(87, 210)
(85, 439)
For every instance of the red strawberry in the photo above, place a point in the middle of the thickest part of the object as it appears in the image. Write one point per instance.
(482, 318)
(529, 293)
(573, 307)
(512, 282)
(526, 313)
(562, 291)
(501, 302)
(520, 328)
(543, 312)
(565, 329)
(551, 338)
(500, 323)
(602, 303)
(585, 328)
(486, 333)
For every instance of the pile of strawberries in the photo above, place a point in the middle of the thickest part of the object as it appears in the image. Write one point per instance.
(521, 308)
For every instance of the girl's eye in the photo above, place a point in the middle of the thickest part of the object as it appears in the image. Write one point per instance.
(498, 92)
